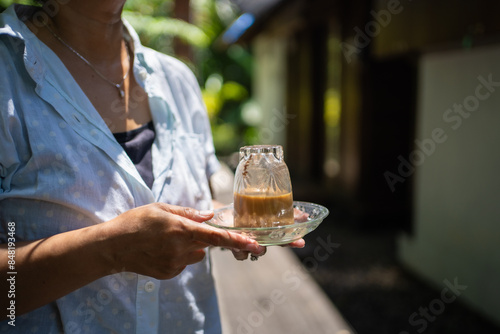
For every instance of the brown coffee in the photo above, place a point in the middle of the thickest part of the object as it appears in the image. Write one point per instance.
(263, 211)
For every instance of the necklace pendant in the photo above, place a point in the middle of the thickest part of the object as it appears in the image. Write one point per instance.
(121, 91)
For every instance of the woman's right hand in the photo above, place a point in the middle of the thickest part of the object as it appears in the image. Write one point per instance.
(160, 240)
(157, 240)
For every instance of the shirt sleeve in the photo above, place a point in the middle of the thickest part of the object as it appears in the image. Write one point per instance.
(199, 117)
(213, 164)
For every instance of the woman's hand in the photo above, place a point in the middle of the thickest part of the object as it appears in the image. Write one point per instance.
(157, 240)
(241, 255)
(160, 240)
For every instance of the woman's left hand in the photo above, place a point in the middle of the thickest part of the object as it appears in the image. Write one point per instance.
(240, 255)
(243, 255)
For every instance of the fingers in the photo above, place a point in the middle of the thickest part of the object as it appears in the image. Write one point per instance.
(223, 238)
(190, 213)
(205, 235)
(240, 255)
(243, 255)
(300, 216)
(296, 244)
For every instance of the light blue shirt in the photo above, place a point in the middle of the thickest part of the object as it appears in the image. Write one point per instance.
(61, 169)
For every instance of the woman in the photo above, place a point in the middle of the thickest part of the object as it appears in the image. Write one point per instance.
(97, 132)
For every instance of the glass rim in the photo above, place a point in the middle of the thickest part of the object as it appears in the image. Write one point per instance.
(277, 150)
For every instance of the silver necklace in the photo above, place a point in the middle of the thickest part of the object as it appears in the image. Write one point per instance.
(118, 86)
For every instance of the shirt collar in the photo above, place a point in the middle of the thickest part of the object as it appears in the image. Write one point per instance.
(20, 34)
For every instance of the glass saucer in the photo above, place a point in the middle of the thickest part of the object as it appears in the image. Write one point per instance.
(308, 216)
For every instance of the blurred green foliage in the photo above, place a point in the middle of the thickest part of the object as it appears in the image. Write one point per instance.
(224, 73)
(6, 3)
(225, 77)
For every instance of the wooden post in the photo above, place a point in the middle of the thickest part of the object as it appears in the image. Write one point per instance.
(182, 11)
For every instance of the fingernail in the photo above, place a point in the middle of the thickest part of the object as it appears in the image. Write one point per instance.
(302, 244)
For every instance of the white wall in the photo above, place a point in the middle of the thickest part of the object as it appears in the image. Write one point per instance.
(457, 199)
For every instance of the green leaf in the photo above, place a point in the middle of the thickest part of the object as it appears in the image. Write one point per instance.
(155, 27)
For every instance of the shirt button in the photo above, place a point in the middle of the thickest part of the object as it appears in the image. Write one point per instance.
(149, 286)
(143, 74)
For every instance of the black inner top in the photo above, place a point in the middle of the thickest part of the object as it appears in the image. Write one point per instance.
(137, 143)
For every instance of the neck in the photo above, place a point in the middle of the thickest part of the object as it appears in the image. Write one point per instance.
(93, 28)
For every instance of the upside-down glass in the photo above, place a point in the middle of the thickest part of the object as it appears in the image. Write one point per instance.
(262, 188)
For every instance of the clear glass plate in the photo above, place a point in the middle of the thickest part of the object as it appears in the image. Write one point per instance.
(307, 217)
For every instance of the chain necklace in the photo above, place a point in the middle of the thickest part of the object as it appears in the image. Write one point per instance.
(118, 86)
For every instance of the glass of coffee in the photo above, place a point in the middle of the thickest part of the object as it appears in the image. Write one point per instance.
(262, 188)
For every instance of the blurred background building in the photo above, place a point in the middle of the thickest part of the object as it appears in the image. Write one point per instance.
(389, 112)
